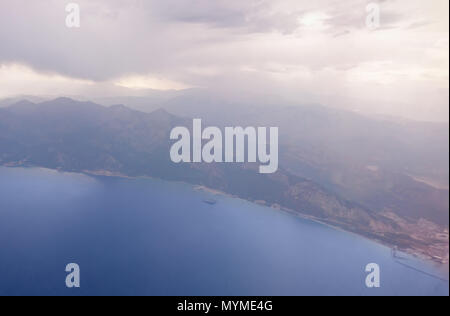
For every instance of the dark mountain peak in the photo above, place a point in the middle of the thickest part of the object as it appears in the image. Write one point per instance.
(22, 106)
(118, 107)
(68, 105)
(123, 112)
(64, 100)
(161, 112)
(23, 103)
(165, 117)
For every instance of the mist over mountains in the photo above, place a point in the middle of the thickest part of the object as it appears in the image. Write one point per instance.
(382, 179)
(375, 162)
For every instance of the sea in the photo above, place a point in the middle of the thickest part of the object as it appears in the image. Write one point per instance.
(151, 237)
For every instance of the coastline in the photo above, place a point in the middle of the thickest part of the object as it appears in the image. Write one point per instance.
(335, 225)
(412, 252)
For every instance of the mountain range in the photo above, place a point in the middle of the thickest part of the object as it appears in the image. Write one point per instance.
(386, 180)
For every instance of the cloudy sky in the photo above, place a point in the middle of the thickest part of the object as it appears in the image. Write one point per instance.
(303, 51)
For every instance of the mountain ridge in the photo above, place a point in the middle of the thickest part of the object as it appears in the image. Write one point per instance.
(83, 136)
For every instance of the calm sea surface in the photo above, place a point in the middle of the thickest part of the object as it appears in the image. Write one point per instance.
(150, 237)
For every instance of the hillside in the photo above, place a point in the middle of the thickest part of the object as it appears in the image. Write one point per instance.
(85, 137)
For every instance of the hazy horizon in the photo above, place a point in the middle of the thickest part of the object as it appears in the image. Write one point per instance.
(298, 51)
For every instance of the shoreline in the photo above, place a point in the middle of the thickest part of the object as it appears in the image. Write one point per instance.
(411, 252)
(103, 173)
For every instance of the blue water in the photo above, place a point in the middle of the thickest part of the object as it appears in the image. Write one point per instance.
(150, 237)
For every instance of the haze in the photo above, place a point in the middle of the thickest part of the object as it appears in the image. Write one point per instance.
(298, 51)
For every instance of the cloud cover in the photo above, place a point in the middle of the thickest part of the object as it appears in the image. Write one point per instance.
(308, 51)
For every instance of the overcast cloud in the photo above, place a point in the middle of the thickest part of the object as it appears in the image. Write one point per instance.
(308, 51)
